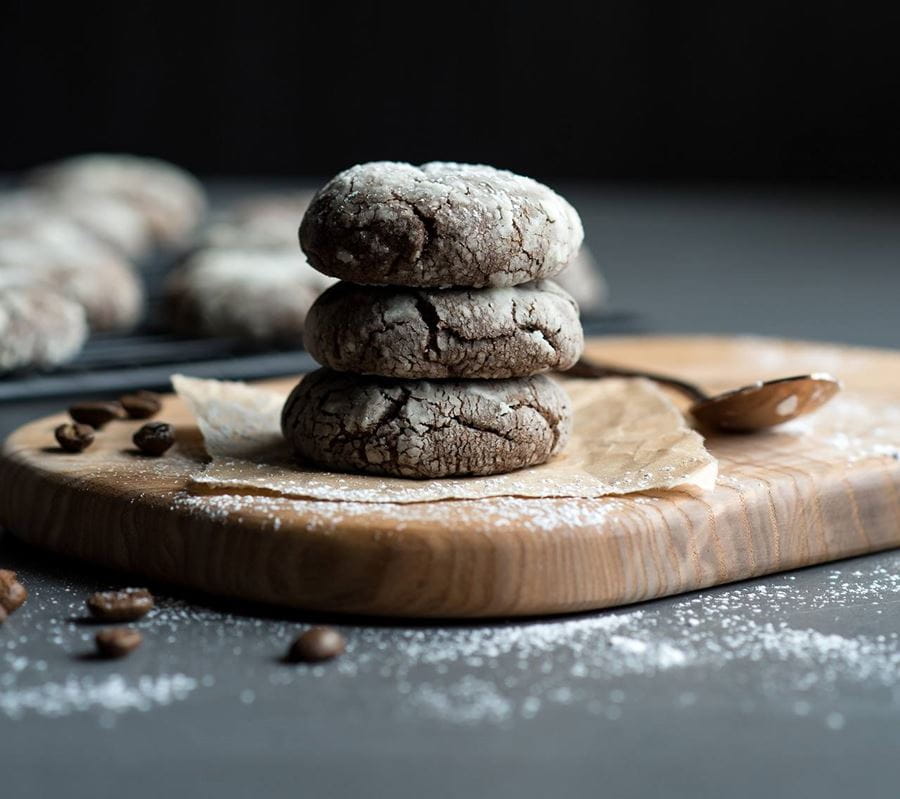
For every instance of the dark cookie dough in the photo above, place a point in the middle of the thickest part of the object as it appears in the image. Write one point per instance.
(437, 333)
(441, 224)
(426, 429)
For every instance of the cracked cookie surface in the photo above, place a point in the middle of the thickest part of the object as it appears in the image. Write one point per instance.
(426, 429)
(440, 333)
(441, 224)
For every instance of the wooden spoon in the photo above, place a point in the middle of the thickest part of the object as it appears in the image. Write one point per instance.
(755, 407)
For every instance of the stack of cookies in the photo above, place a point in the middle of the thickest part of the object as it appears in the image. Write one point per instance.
(436, 338)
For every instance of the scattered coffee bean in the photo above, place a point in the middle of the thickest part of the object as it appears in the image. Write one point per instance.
(317, 644)
(74, 437)
(154, 438)
(128, 604)
(97, 414)
(12, 592)
(142, 404)
(116, 642)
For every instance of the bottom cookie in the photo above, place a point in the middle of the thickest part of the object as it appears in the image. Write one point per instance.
(423, 428)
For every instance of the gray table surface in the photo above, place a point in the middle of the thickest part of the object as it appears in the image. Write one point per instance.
(783, 686)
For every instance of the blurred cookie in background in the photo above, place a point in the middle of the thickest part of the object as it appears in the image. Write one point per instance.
(259, 294)
(55, 253)
(583, 279)
(263, 220)
(171, 200)
(110, 221)
(247, 278)
(39, 327)
(73, 235)
(118, 224)
(279, 213)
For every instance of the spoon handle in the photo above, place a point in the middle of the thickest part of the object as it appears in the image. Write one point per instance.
(587, 368)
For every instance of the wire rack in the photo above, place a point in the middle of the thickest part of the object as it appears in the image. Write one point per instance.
(145, 359)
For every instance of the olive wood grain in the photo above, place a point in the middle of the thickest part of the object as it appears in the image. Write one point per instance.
(777, 506)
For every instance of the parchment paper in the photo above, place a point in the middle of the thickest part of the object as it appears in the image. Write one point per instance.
(627, 437)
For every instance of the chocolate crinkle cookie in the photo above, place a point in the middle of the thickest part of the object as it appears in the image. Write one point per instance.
(583, 279)
(38, 327)
(61, 257)
(109, 221)
(426, 429)
(441, 224)
(262, 220)
(171, 200)
(439, 333)
(260, 295)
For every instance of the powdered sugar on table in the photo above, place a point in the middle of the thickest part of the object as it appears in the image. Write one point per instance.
(782, 639)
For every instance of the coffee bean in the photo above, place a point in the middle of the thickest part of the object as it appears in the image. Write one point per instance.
(128, 604)
(12, 592)
(74, 437)
(154, 438)
(142, 404)
(116, 642)
(97, 414)
(317, 644)
(3, 615)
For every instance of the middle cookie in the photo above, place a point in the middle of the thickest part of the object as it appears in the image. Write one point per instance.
(436, 333)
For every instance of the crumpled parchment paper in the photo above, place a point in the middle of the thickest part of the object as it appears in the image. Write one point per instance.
(628, 436)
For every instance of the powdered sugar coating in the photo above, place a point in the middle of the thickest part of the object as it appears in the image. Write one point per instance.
(423, 429)
(109, 220)
(38, 327)
(437, 333)
(261, 294)
(441, 224)
(172, 201)
(60, 256)
(259, 220)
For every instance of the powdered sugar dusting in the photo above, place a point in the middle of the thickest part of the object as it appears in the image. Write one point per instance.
(36, 684)
(113, 693)
(515, 671)
(781, 642)
(853, 427)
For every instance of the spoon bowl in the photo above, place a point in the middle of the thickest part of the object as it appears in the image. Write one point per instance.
(766, 404)
(759, 406)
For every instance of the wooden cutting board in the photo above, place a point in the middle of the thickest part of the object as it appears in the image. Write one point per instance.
(784, 500)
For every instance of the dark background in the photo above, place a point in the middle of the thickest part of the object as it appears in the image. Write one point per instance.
(787, 91)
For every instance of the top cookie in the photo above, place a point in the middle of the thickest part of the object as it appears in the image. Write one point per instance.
(441, 224)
